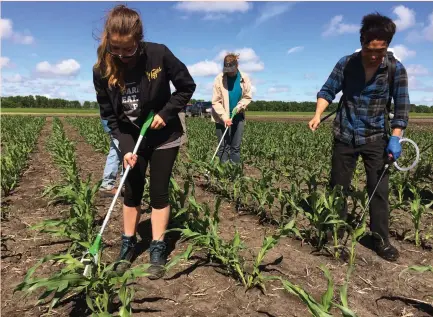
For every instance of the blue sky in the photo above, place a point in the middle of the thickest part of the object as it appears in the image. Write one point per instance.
(287, 48)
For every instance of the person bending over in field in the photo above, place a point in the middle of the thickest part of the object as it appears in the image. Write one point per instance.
(132, 77)
(360, 126)
(231, 93)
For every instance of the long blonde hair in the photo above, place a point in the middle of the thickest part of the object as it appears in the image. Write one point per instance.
(121, 21)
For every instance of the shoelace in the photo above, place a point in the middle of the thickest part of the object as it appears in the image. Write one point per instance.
(156, 251)
(126, 246)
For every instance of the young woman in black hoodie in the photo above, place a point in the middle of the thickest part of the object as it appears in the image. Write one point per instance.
(131, 79)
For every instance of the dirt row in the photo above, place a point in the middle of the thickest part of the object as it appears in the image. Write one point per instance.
(197, 288)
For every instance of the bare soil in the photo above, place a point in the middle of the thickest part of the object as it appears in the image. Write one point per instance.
(198, 288)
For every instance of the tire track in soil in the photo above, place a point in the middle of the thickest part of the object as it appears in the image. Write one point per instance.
(27, 208)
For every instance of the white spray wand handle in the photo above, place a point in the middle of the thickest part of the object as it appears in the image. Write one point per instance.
(122, 181)
(219, 144)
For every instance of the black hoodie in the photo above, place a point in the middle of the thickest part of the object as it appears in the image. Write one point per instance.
(157, 66)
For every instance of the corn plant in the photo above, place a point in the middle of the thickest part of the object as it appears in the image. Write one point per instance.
(99, 290)
(256, 278)
(63, 153)
(78, 225)
(323, 307)
(417, 210)
(418, 268)
(322, 211)
(92, 131)
(19, 136)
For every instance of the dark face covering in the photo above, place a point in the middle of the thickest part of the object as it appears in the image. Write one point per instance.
(230, 67)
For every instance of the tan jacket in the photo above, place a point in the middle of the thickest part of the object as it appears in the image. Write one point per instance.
(220, 97)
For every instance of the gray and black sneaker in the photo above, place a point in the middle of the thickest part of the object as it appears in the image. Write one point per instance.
(158, 259)
(126, 253)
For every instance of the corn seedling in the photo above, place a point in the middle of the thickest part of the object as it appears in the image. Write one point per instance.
(417, 210)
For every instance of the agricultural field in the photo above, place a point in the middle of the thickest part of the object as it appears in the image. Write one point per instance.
(252, 240)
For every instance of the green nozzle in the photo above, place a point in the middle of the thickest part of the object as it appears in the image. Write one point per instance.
(147, 123)
(94, 249)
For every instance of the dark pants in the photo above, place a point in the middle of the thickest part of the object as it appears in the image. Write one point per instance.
(231, 146)
(344, 160)
(161, 166)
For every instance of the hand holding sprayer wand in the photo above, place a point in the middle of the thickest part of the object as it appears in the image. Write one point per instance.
(96, 246)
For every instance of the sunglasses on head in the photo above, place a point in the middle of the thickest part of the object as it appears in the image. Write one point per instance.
(230, 64)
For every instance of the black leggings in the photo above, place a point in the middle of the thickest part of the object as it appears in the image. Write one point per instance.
(161, 166)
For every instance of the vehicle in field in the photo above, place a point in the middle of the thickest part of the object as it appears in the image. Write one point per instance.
(201, 109)
(187, 110)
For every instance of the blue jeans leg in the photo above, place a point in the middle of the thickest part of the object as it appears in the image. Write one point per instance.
(223, 151)
(112, 165)
(236, 133)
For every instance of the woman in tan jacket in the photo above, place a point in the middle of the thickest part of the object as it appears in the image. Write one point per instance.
(231, 94)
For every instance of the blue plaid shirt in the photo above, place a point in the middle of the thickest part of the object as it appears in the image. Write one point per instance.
(361, 118)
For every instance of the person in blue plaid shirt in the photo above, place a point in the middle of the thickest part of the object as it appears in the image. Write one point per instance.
(359, 126)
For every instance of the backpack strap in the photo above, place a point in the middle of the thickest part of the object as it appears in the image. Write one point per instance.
(343, 96)
(391, 65)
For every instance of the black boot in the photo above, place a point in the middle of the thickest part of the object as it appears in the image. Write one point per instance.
(126, 252)
(158, 258)
(386, 250)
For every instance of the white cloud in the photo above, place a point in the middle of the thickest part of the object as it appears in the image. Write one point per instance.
(337, 27)
(214, 17)
(23, 39)
(424, 34)
(428, 30)
(427, 101)
(252, 66)
(17, 78)
(272, 9)
(7, 32)
(248, 59)
(5, 28)
(405, 17)
(416, 70)
(4, 61)
(213, 6)
(413, 83)
(401, 52)
(295, 49)
(268, 11)
(278, 89)
(67, 67)
(53, 87)
(205, 68)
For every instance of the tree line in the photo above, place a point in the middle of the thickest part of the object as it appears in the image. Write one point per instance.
(44, 102)
(258, 105)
